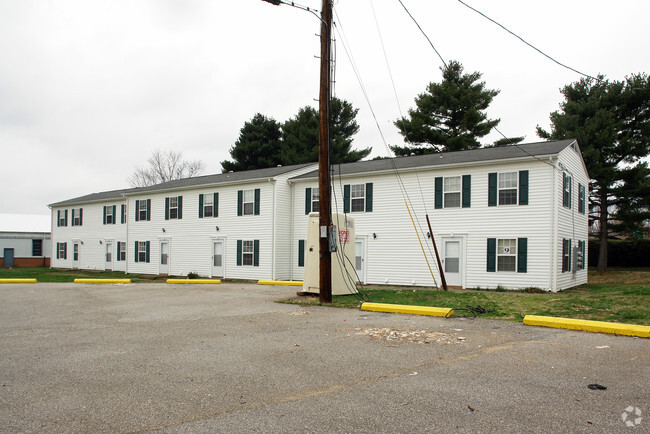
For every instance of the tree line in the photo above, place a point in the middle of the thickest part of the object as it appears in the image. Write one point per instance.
(609, 118)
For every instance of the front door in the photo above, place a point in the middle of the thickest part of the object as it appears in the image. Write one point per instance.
(75, 255)
(8, 258)
(359, 259)
(452, 259)
(217, 258)
(109, 256)
(164, 257)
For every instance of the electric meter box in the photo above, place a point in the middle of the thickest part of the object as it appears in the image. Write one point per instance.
(343, 259)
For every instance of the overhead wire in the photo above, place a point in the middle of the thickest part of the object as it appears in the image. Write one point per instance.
(400, 182)
(526, 42)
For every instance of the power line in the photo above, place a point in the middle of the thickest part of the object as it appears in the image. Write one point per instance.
(425, 35)
(526, 42)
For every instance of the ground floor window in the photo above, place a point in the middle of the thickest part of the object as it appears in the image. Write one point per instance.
(507, 255)
(248, 253)
(142, 249)
(37, 247)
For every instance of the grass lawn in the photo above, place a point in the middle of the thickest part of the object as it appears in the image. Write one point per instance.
(66, 275)
(617, 296)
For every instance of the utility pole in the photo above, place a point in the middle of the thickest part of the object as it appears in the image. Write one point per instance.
(324, 201)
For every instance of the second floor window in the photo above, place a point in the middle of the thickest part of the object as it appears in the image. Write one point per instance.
(508, 188)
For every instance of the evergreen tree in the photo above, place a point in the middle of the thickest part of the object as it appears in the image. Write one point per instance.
(257, 147)
(611, 121)
(301, 134)
(449, 116)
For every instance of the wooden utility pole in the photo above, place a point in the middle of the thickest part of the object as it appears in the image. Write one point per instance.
(324, 202)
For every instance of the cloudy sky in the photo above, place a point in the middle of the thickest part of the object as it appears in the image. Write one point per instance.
(89, 88)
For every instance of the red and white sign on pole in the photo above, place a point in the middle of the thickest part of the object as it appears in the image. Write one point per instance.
(344, 237)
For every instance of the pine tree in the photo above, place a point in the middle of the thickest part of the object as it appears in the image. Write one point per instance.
(611, 121)
(449, 116)
(257, 147)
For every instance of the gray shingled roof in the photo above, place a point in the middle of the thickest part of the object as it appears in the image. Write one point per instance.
(447, 158)
(179, 184)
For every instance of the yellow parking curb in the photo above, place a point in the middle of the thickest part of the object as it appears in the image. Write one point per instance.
(102, 281)
(590, 326)
(280, 282)
(400, 308)
(16, 280)
(193, 281)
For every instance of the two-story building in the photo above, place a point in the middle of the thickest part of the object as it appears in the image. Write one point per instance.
(513, 216)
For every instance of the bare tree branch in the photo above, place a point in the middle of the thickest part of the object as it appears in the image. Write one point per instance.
(163, 167)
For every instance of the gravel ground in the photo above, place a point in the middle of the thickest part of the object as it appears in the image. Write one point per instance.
(217, 358)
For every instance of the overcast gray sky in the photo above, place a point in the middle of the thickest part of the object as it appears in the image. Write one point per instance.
(89, 88)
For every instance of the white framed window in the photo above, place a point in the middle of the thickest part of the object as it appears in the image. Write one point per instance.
(62, 248)
(108, 215)
(508, 184)
(121, 252)
(208, 205)
(62, 218)
(247, 252)
(358, 197)
(76, 216)
(143, 210)
(142, 251)
(507, 254)
(451, 191)
(249, 202)
(314, 199)
(567, 184)
(173, 207)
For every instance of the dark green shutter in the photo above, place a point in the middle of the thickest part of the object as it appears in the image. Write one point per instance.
(301, 253)
(346, 198)
(57, 250)
(240, 202)
(491, 254)
(522, 255)
(239, 249)
(118, 252)
(147, 257)
(137, 210)
(136, 258)
(256, 253)
(58, 219)
(565, 198)
(166, 208)
(123, 213)
(65, 250)
(369, 197)
(200, 206)
(148, 209)
(66, 218)
(307, 200)
(215, 205)
(437, 199)
(81, 216)
(492, 189)
(114, 214)
(180, 207)
(104, 220)
(467, 191)
(523, 187)
(257, 202)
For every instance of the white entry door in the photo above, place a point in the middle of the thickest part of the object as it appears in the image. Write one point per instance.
(359, 259)
(452, 260)
(109, 256)
(75, 255)
(164, 258)
(217, 258)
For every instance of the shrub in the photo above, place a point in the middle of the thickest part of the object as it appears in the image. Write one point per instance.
(622, 253)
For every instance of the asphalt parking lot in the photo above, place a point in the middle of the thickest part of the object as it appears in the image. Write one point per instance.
(226, 358)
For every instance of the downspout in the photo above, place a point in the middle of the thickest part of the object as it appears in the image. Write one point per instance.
(273, 231)
(554, 229)
(126, 248)
(292, 241)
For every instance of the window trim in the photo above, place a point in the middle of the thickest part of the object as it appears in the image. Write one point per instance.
(515, 188)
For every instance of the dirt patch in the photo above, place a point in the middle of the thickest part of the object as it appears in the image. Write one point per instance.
(393, 335)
